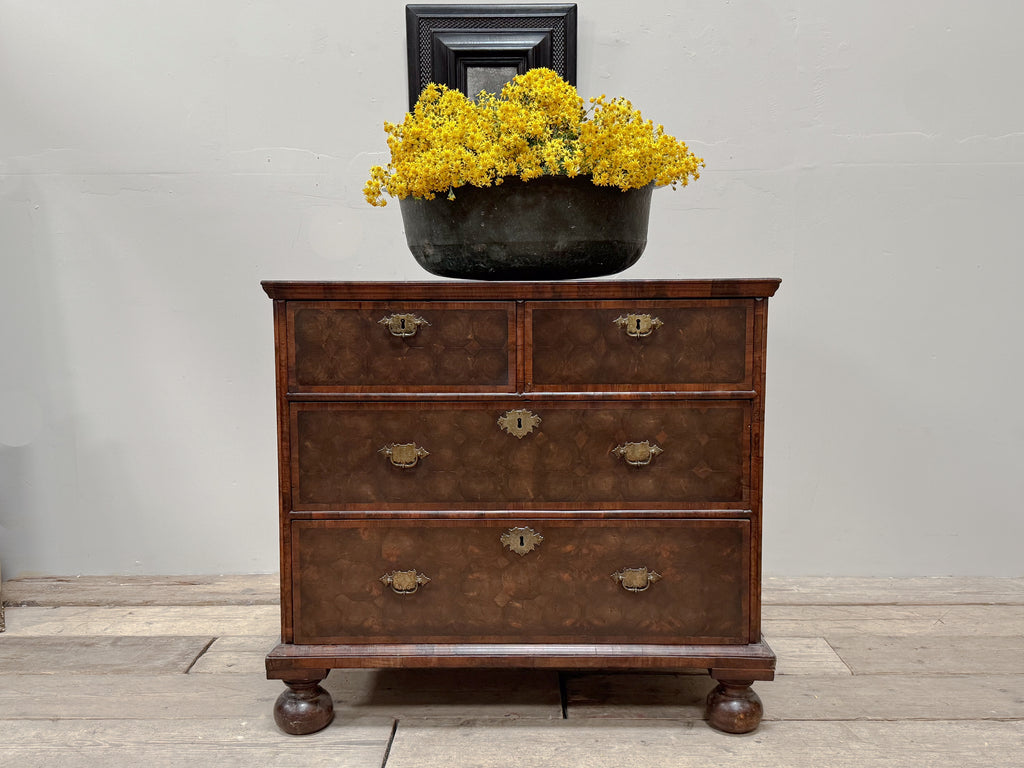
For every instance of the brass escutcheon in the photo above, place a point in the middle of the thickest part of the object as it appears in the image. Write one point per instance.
(404, 455)
(521, 540)
(404, 582)
(637, 454)
(636, 579)
(638, 325)
(403, 324)
(519, 422)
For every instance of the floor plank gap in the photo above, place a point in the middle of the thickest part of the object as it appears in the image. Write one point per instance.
(838, 656)
(200, 654)
(391, 740)
(563, 695)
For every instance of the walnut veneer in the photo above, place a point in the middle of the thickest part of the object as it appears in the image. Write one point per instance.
(562, 475)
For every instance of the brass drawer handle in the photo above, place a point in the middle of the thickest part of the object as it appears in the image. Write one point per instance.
(636, 579)
(521, 540)
(404, 455)
(519, 422)
(403, 325)
(404, 582)
(638, 326)
(637, 454)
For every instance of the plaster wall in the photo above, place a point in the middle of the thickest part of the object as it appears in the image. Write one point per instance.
(157, 160)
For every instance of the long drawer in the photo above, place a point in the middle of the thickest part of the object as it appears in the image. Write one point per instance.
(499, 455)
(401, 581)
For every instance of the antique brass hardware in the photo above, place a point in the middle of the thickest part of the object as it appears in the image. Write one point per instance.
(404, 582)
(403, 324)
(404, 455)
(638, 325)
(636, 579)
(521, 540)
(637, 454)
(519, 422)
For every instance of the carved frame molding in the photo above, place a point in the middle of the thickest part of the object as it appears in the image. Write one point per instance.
(445, 41)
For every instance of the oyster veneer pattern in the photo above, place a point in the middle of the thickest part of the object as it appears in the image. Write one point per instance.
(584, 348)
(349, 347)
(567, 459)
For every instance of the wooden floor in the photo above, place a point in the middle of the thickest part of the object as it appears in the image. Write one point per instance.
(169, 672)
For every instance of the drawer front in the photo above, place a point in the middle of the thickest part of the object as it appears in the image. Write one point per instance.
(645, 345)
(446, 456)
(472, 588)
(388, 347)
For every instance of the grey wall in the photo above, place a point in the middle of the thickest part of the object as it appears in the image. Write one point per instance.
(158, 159)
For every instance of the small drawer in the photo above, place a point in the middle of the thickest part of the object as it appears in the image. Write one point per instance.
(427, 581)
(614, 454)
(684, 345)
(401, 347)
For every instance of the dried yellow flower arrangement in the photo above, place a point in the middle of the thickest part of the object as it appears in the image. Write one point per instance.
(537, 126)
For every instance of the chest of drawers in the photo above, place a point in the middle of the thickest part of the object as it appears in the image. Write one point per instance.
(561, 475)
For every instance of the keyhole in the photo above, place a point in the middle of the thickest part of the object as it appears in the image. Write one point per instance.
(522, 541)
(402, 321)
(519, 423)
(638, 323)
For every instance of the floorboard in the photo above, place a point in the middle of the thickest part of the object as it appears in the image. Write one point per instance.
(926, 590)
(598, 744)
(135, 697)
(223, 742)
(259, 589)
(145, 621)
(66, 655)
(818, 620)
(883, 697)
(933, 654)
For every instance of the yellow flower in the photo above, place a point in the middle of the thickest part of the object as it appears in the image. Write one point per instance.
(536, 126)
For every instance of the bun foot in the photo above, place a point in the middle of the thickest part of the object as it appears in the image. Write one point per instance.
(303, 707)
(733, 707)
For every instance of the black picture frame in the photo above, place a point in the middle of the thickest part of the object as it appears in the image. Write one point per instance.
(447, 42)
